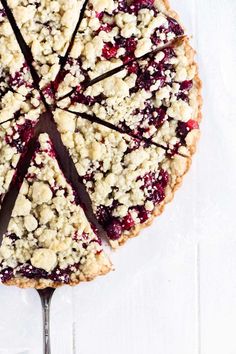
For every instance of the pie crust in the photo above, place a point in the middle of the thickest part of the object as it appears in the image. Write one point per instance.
(39, 106)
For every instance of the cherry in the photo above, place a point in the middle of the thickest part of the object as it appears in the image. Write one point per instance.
(114, 229)
(103, 214)
(185, 127)
(48, 90)
(163, 178)
(154, 116)
(192, 124)
(143, 214)
(149, 179)
(186, 85)
(6, 274)
(127, 222)
(173, 150)
(109, 51)
(132, 67)
(157, 195)
(169, 54)
(129, 44)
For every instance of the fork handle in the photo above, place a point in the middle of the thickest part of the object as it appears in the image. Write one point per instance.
(46, 297)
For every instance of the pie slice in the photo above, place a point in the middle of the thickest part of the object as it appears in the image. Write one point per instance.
(47, 27)
(14, 72)
(114, 32)
(49, 241)
(155, 98)
(18, 118)
(128, 180)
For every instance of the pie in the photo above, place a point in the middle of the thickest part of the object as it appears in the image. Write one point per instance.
(100, 105)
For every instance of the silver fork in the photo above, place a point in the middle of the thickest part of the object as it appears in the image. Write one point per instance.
(46, 297)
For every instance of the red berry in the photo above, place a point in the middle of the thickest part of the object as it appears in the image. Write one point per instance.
(127, 222)
(192, 124)
(103, 214)
(132, 67)
(114, 230)
(186, 85)
(143, 214)
(131, 45)
(109, 51)
(6, 274)
(158, 194)
(99, 15)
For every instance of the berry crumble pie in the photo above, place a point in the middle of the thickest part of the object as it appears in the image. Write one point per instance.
(100, 105)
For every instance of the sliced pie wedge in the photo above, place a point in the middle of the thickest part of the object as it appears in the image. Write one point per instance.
(47, 27)
(114, 32)
(49, 241)
(14, 72)
(156, 98)
(128, 180)
(18, 118)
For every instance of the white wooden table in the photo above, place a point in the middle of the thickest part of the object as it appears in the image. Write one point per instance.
(174, 290)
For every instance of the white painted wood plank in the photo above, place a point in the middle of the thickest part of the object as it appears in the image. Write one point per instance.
(147, 306)
(62, 321)
(216, 170)
(218, 297)
(21, 316)
(216, 175)
(20, 324)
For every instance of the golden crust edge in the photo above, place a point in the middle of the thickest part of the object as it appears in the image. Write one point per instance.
(190, 53)
(24, 283)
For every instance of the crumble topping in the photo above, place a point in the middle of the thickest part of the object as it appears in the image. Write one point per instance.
(125, 177)
(47, 27)
(14, 72)
(116, 32)
(48, 235)
(45, 259)
(151, 98)
(20, 117)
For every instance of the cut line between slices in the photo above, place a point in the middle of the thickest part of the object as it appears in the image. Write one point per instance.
(46, 124)
(175, 42)
(94, 119)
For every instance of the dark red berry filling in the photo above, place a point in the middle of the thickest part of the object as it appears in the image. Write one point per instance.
(6, 274)
(114, 229)
(109, 50)
(185, 127)
(21, 135)
(128, 222)
(154, 185)
(19, 79)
